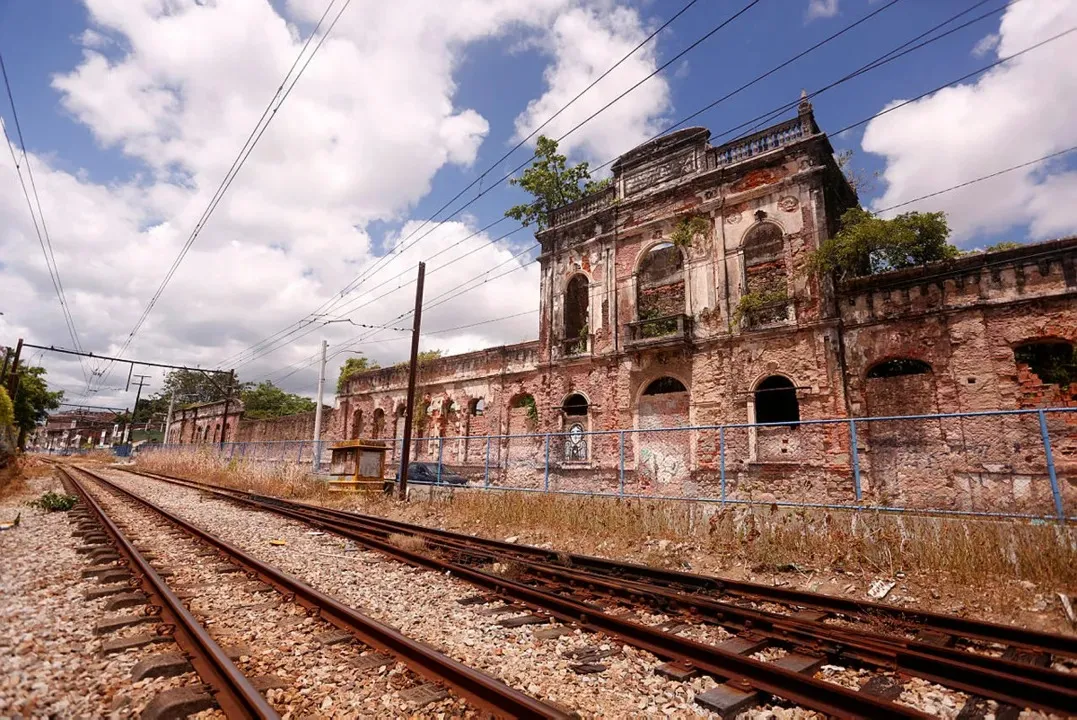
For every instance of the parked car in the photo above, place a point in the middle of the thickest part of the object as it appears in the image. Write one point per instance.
(426, 473)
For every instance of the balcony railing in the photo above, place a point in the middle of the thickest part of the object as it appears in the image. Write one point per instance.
(583, 207)
(764, 141)
(769, 314)
(658, 331)
(576, 347)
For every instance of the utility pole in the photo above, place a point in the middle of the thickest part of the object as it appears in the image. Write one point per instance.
(13, 378)
(168, 419)
(227, 402)
(405, 452)
(138, 395)
(318, 413)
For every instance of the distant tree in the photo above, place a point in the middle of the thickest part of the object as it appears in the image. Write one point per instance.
(266, 400)
(191, 388)
(425, 357)
(552, 183)
(353, 366)
(33, 400)
(867, 245)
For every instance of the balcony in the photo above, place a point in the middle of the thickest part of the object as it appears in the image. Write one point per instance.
(576, 347)
(665, 330)
(764, 141)
(583, 207)
(768, 315)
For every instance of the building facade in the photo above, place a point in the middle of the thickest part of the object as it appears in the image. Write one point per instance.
(678, 297)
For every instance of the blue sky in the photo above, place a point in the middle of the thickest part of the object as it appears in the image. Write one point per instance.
(88, 132)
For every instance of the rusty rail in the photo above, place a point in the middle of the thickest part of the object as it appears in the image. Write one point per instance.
(479, 688)
(234, 693)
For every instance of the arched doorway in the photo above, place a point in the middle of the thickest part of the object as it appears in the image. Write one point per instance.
(664, 455)
(576, 442)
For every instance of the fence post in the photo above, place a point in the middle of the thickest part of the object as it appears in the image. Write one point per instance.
(546, 477)
(721, 459)
(231, 451)
(441, 445)
(855, 456)
(486, 467)
(621, 467)
(1055, 492)
(299, 455)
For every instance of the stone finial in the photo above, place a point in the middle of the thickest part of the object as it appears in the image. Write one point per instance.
(807, 117)
(805, 105)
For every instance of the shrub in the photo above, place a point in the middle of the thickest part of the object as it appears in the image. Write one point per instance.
(54, 501)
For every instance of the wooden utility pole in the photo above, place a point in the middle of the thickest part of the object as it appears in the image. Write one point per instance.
(227, 403)
(13, 378)
(316, 463)
(138, 396)
(405, 451)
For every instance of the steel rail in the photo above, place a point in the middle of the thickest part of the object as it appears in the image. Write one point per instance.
(479, 688)
(1014, 683)
(984, 631)
(741, 670)
(234, 693)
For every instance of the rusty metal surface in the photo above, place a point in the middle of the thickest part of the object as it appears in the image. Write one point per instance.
(479, 688)
(234, 693)
(1003, 680)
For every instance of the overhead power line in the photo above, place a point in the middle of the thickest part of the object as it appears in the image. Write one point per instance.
(41, 231)
(256, 134)
(329, 305)
(977, 180)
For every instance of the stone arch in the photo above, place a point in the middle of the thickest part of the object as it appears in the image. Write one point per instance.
(660, 287)
(766, 276)
(378, 427)
(576, 325)
(663, 458)
(776, 400)
(357, 423)
(576, 423)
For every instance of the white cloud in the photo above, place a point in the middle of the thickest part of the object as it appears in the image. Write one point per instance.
(985, 45)
(821, 9)
(1015, 113)
(360, 139)
(585, 42)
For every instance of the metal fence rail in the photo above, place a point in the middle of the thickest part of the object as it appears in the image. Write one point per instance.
(1006, 463)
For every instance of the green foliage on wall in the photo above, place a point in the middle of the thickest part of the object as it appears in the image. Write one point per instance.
(753, 303)
(552, 183)
(687, 229)
(867, 245)
(266, 400)
(353, 366)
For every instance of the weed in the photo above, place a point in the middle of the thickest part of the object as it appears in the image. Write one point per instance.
(411, 543)
(54, 501)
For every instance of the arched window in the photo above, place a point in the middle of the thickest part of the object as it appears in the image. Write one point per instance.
(577, 299)
(896, 367)
(665, 385)
(660, 290)
(765, 275)
(379, 423)
(224, 435)
(1053, 361)
(476, 407)
(776, 400)
(575, 405)
(357, 423)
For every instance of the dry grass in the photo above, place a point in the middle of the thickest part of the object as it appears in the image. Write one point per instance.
(971, 551)
(283, 480)
(411, 543)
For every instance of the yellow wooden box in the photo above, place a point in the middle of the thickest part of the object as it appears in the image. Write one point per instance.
(359, 465)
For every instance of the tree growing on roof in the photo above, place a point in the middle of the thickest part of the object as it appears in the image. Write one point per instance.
(552, 183)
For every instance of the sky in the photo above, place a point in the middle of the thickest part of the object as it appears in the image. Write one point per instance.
(133, 111)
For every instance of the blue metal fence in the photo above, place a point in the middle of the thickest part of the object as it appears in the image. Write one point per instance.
(986, 463)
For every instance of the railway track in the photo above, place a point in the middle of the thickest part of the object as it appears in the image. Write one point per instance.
(1007, 666)
(232, 691)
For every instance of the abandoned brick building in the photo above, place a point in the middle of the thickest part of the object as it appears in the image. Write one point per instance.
(677, 297)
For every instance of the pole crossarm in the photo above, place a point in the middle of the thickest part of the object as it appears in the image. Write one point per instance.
(64, 351)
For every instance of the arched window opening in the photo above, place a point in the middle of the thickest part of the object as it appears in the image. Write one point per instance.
(477, 406)
(776, 401)
(526, 402)
(357, 423)
(577, 299)
(575, 405)
(216, 433)
(1052, 361)
(765, 274)
(660, 290)
(224, 435)
(897, 367)
(379, 423)
(664, 386)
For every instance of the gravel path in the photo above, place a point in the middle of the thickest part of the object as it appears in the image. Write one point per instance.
(316, 671)
(50, 660)
(423, 605)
